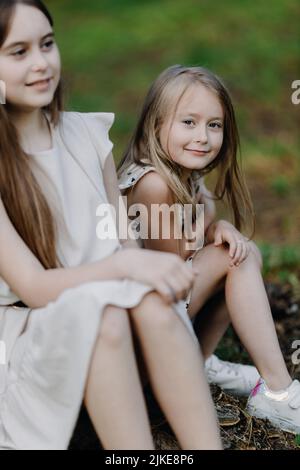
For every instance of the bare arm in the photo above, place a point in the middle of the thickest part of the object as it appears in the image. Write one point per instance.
(150, 190)
(35, 285)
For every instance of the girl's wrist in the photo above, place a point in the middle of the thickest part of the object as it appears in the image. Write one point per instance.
(123, 261)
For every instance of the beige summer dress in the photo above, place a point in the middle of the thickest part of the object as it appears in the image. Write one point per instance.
(48, 350)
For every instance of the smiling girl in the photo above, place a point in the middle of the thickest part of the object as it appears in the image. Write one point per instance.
(68, 299)
(187, 129)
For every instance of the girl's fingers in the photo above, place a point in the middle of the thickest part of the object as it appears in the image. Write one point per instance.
(233, 246)
(186, 284)
(243, 254)
(182, 282)
(185, 276)
(238, 252)
(246, 251)
(182, 288)
(173, 288)
(167, 294)
(191, 275)
(185, 281)
(188, 274)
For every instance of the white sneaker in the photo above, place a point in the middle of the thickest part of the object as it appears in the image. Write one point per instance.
(282, 408)
(237, 379)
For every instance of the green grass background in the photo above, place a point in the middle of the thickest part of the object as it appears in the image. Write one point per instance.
(113, 49)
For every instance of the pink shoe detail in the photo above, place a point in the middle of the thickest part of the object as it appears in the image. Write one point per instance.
(255, 390)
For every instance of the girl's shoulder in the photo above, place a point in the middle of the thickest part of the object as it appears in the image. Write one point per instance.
(134, 173)
(80, 129)
(96, 123)
(147, 183)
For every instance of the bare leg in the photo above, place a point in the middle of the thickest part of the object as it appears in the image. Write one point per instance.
(114, 397)
(248, 308)
(176, 373)
(211, 323)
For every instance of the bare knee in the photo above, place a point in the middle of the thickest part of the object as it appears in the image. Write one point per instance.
(219, 257)
(153, 313)
(214, 255)
(115, 327)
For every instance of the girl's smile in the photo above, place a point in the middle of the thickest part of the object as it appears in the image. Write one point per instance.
(193, 137)
(197, 152)
(42, 85)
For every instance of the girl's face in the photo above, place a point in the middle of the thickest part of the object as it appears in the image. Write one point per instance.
(194, 136)
(29, 60)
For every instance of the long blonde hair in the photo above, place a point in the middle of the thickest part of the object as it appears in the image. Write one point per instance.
(20, 192)
(163, 98)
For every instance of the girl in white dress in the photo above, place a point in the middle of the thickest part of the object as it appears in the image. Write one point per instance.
(70, 301)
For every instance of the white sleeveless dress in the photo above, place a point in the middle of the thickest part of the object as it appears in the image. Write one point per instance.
(46, 352)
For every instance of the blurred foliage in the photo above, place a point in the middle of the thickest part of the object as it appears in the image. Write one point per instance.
(280, 185)
(113, 49)
(280, 257)
(282, 263)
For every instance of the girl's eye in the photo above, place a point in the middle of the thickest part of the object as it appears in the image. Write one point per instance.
(48, 44)
(216, 125)
(19, 53)
(189, 122)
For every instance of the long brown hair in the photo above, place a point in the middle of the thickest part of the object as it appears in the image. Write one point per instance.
(20, 192)
(162, 99)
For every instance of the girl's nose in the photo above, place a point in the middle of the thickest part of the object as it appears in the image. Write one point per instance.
(39, 62)
(201, 135)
